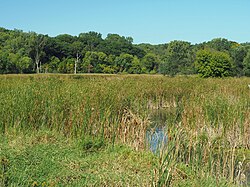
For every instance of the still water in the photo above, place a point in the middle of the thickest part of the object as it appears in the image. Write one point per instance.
(156, 135)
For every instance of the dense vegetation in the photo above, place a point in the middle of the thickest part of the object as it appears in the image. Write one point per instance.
(90, 130)
(22, 52)
(93, 130)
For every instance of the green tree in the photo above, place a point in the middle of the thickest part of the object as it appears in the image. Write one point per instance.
(14, 60)
(116, 45)
(179, 58)
(159, 50)
(246, 65)
(24, 64)
(124, 62)
(76, 48)
(136, 67)
(90, 62)
(101, 62)
(94, 62)
(53, 65)
(61, 46)
(238, 54)
(213, 63)
(91, 41)
(107, 69)
(150, 62)
(5, 64)
(220, 44)
(111, 60)
(37, 44)
(66, 65)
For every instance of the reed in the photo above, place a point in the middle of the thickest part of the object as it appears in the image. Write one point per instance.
(208, 120)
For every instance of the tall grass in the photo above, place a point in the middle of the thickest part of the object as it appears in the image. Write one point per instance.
(208, 120)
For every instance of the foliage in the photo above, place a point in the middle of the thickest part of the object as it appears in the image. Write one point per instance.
(246, 64)
(22, 52)
(213, 63)
(178, 58)
(124, 62)
(221, 44)
(150, 62)
(238, 55)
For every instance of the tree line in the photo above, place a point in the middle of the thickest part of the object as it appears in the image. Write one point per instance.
(29, 52)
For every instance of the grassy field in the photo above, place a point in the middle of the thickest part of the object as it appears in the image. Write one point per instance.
(90, 130)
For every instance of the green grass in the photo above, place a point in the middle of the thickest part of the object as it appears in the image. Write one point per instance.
(47, 159)
(79, 130)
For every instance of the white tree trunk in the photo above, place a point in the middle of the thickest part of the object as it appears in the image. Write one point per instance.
(37, 67)
(75, 66)
(76, 61)
(37, 62)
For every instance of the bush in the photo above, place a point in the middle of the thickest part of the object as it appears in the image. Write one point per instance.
(213, 64)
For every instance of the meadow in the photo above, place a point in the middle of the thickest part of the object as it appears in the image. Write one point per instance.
(90, 130)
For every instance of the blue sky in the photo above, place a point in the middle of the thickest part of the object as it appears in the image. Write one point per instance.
(147, 21)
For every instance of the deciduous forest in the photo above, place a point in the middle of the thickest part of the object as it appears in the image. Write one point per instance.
(29, 52)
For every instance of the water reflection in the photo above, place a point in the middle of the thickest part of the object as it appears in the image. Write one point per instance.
(156, 135)
(156, 138)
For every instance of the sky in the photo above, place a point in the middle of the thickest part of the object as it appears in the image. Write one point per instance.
(146, 21)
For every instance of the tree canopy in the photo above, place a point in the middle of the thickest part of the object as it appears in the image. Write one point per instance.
(22, 52)
(213, 63)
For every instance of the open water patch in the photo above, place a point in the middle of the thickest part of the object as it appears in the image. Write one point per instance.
(156, 134)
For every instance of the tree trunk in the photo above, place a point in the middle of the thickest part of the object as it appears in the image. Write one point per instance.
(40, 67)
(37, 62)
(37, 67)
(75, 66)
(76, 61)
